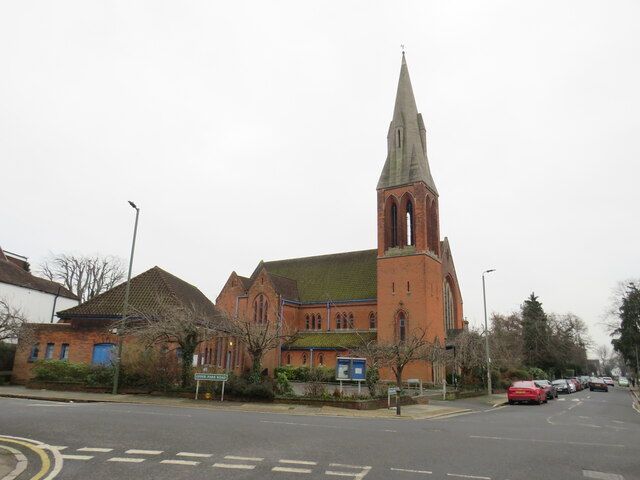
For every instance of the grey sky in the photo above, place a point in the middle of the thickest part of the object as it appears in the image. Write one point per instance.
(257, 130)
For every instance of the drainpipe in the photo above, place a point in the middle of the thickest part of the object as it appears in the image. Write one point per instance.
(280, 331)
(311, 358)
(55, 300)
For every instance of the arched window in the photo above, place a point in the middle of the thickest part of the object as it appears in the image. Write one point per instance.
(304, 358)
(320, 360)
(313, 322)
(394, 225)
(319, 320)
(402, 327)
(261, 309)
(288, 359)
(449, 310)
(411, 237)
(372, 321)
(338, 321)
(432, 227)
(266, 311)
(351, 320)
(306, 322)
(398, 138)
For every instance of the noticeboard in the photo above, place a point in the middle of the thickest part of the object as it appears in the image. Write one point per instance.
(348, 368)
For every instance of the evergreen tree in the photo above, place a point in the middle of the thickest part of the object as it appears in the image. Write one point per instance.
(628, 341)
(535, 334)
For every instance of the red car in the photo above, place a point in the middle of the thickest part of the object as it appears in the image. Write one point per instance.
(526, 391)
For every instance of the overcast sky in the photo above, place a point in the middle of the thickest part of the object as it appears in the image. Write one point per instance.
(257, 130)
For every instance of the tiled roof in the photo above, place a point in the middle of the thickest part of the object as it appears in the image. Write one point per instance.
(246, 282)
(286, 287)
(326, 278)
(146, 290)
(331, 339)
(14, 275)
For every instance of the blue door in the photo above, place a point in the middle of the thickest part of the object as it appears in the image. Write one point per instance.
(103, 354)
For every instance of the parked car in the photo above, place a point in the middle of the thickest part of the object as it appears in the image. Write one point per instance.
(526, 391)
(576, 384)
(609, 381)
(563, 386)
(598, 383)
(549, 388)
(623, 382)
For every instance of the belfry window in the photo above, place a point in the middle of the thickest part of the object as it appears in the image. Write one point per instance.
(398, 138)
(394, 225)
(411, 237)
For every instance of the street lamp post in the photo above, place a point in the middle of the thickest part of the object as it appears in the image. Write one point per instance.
(116, 374)
(486, 332)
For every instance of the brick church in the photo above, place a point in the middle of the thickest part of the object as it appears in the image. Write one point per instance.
(327, 305)
(334, 303)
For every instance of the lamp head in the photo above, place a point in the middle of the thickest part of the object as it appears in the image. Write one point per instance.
(133, 204)
(489, 271)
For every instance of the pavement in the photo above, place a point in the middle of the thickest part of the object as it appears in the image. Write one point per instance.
(436, 408)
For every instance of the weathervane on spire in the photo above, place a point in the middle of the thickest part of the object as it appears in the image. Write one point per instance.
(402, 47)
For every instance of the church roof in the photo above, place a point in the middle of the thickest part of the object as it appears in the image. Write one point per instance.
(145, 293)
(12, 274)
(325, 278)
(331, 339)
(407, 161)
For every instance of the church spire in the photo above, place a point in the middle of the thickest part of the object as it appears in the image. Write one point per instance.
(406, 141)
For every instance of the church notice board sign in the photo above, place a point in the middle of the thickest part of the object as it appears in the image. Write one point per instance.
(348, 368)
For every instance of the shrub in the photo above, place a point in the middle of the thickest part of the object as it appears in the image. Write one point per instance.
(282, 384)
(537, 373)
(60, 371)
(518, 375)
(315, 389)
(262, 390)
(373, 376)
(504, 384)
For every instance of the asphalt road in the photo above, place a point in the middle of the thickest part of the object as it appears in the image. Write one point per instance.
(583, 435)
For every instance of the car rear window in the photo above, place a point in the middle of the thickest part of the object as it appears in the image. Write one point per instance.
(522, 384)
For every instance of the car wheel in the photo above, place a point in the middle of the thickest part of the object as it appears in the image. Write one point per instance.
(539, 401)
(591, 389)
(511, 402)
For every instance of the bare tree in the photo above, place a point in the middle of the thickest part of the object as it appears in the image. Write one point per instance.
(169, 323)
(84, 276)
(396, 355)
(13, 324)
(257, 337)
(470, 351)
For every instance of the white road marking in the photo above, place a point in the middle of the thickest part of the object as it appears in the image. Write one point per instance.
(298, 462)
(96, 449)
(356, 475)
(467, 476)
(426, 472)
(133, 451)
(291, 470)
(617, 421)
(246, 459)
(232, 465)
(616, 445)
(77, 457)
(198, 455)
(602, 475)
(126, 460)
(57, 447)
(181, 462)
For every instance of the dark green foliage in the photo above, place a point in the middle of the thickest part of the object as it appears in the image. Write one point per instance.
(518, 375)
(373, 376)
(537, 374)
(240, 386)
(628, 333)
(282, 384)
(306, 374)
(7, 354)
(65, 371)
(535, 334)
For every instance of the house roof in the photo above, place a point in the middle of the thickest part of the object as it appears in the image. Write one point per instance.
(12, 274)
(325, 278)
(346, 340)
(146, 291)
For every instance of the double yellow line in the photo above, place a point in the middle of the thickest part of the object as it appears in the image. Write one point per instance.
(46, 463)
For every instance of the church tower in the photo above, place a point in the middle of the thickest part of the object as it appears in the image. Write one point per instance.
(409, 265)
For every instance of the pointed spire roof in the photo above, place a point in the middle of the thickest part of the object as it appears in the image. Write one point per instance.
(407, 161)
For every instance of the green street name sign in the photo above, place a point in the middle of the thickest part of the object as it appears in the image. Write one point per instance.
(220, 377)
